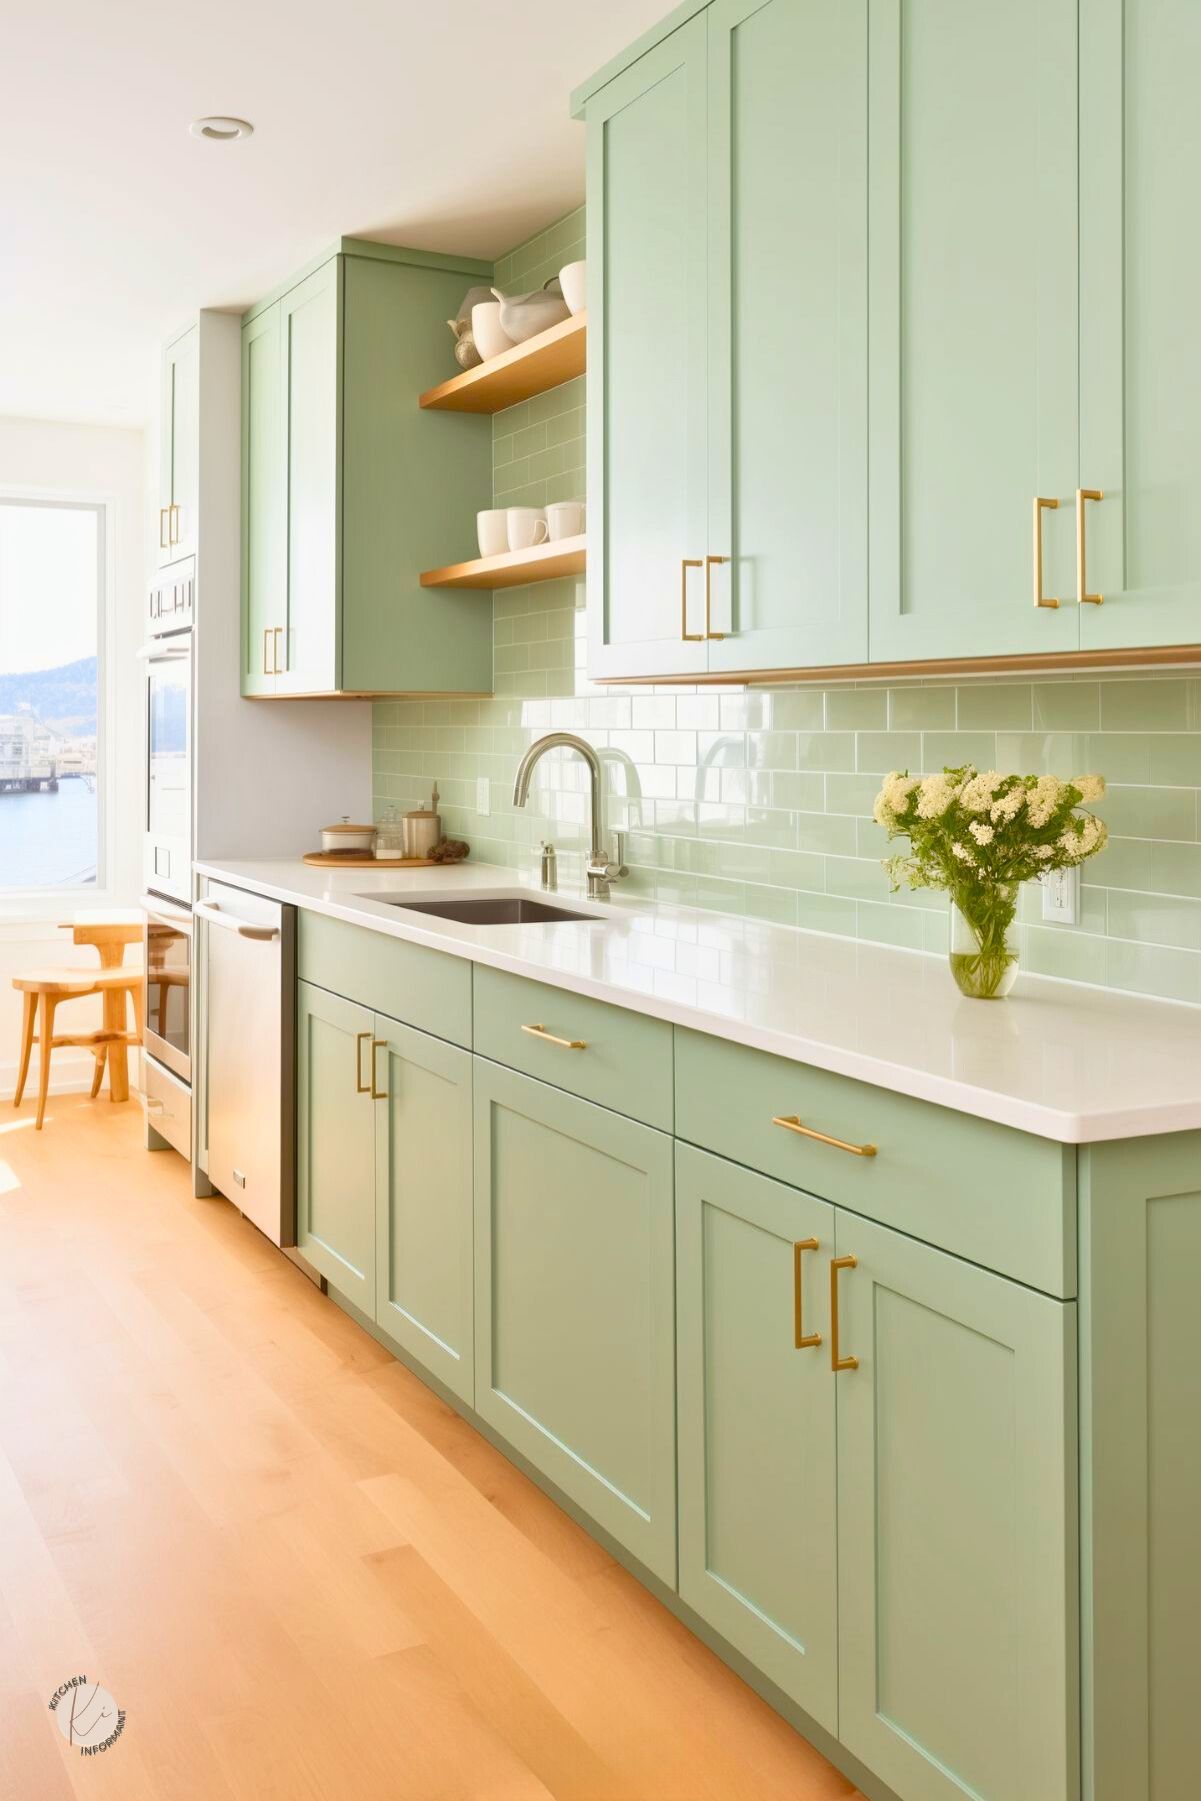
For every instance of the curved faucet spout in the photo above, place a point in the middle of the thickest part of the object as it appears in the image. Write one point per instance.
(600, 871)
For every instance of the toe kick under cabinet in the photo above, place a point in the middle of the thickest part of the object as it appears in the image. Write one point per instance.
(899, 1409)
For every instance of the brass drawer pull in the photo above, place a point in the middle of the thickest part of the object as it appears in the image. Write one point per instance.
(266, 635)
(377, 1044)
(568, 1044)
(277, 632)
(360, 1087)
(1092, 600)
(801, 1338)
(173, 522)
(687, 563)
(709, 562)
(163, 543)
(1041, 599)
(837, 1360)
(791, 1123)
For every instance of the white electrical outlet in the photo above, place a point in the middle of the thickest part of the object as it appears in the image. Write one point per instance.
(483, 797)
(1061, 895)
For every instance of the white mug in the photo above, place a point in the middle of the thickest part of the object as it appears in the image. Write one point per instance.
(492, 530)
(526, 527)
(564, 519)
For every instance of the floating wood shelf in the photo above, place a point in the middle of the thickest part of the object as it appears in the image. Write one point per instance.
(543, 362)
(513, 568)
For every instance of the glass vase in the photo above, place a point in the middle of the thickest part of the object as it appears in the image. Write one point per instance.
(984, 950)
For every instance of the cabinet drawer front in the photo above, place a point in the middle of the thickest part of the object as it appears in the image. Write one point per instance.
(626, 1060)
(1001, 1198)
(419, 987)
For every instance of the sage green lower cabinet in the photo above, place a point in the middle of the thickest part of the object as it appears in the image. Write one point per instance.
(756, 1423)
(574, 1302)
(957, 1540)
(423, 1207)
(335, 1165)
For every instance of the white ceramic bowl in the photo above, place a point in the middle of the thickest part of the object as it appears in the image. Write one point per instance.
(574, 286)
(490, 340)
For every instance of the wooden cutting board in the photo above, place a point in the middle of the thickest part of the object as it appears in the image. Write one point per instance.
(337, 859)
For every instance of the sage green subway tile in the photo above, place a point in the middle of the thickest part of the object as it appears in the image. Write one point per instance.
(856, 709)
(502, 451)
(921, 709)
(1149, 812)
(793, 709)
(994, 706)
(860, 877)
(1174, 975)
(951, 750)
(1155, 919)
(818, 912)
(772, 750)
(1121, 757)
(1072, 956)
(830, 834)
(797, 869)
(871, 840)
(512, 419)
(880, 752)
(748, 712)
(1193, 705)
(699, 712)
(936, 933)
(1175, 758)
(800, 789)
(825, 750)
(1145, 706)
(675, 747)
(717, 896)
(1174, 868)
(776, 905)
(771, 826)
(1040, 753)
(654, 710)
(851, 793)
(883, 924)
(1067, 706)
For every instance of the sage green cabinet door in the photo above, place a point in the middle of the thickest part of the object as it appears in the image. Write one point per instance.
(972, 164)
(179, 446)
(335, 1164)
(423, 1201)
(310, 336)
(647, 362)
(264, 520)
(756, 1422)
(575, 1355)
(1140, 353)
(957, 1542)
(787, 332)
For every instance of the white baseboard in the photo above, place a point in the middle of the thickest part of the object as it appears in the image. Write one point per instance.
(70, 1073)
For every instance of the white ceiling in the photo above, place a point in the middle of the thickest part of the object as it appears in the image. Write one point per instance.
(441, 126)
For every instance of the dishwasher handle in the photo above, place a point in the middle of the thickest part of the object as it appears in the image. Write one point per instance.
(210, 911)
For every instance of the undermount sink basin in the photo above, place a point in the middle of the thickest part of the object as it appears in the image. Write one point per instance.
(490, 910)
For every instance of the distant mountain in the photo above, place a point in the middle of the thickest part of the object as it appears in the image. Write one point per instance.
(63, 698)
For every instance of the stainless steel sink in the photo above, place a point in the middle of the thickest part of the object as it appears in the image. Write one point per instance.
(489, 910)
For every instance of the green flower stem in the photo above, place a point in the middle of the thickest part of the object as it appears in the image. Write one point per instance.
(988, 911)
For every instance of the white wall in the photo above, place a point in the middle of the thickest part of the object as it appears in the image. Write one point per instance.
(97, 463)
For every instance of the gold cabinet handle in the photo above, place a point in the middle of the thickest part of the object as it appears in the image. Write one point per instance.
(163, 543)
(801, 1338)
(1041, 599)
(1092, 600)
(837, 1360)
(687, 563)
(360, 1087)
(172, 522)
(568, 1044)
(277, 632)
(266, 635)
(791, 1123)
(709, 562)
(377, 1044)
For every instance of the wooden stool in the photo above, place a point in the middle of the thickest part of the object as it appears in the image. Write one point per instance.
(110, 929)
(43, 990)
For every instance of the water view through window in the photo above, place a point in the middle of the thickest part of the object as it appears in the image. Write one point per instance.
(51, 594)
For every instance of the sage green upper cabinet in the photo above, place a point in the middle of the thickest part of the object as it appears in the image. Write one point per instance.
(335, 1163)
(956, 1525)
(1140, 353)
(756, 1422)
(787, 277)
(972, 164)
(648, 363)
(349, 490)
(179, 446)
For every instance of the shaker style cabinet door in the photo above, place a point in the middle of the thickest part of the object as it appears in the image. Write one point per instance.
(1140, 352)
(647, 363)
(423, 1252)
(264, 520)
(787, 435)
(574, 1302)
(957, 1541)
(310, 334)
(755, 1419)
(972, 208)
(335, 1163)
(179, 447)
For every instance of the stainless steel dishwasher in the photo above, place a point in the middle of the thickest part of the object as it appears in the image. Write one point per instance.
(248, 1034)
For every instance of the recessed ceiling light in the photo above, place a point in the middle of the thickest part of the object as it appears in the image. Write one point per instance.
(220, 129)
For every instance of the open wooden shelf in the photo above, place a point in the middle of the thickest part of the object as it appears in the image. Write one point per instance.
(543, 362)
(513, 568)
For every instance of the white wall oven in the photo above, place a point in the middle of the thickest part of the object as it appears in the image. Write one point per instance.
(167, 819)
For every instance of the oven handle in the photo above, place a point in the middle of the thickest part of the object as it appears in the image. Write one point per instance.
(210, 911)
(162, 652)
(156, 908)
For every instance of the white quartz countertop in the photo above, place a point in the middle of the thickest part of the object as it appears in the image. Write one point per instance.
(1057, 1059)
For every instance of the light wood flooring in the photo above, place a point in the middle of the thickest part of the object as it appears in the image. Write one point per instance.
(299, 1573)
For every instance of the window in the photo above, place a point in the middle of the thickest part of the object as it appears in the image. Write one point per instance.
(52, 561)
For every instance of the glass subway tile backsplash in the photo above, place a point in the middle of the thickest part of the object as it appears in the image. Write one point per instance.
(758, 800)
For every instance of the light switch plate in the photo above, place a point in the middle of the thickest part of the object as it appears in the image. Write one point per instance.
(483, 797)
(1061, 896)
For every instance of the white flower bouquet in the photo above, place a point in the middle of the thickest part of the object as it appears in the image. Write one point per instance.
(978, 835)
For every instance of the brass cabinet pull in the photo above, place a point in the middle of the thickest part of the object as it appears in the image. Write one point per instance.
(1092, 600)
(837, 1360)
(172, 522)
(801, 1338)
(709, 562)
(277, 632)
(687, 563)
(1041, 599)
(360, 1087)
(266, 635)
(163, 543)
(791, 1123)
(377, 1044)
(568, 1044)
